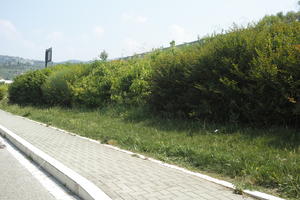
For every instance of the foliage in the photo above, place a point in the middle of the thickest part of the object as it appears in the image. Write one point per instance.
(56, 89)
(247, 74)
(172, 43)
(169, 80)
(290, 17)
(130, 83)
(3, 90)
(103, 55)
(26, 88)
(113, 82)
(94, 89)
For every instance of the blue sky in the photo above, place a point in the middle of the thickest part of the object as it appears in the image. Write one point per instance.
(81, 29)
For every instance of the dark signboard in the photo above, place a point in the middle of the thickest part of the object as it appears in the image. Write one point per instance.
(48, 56)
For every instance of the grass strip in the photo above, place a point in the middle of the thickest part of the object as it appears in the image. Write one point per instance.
(266, 159)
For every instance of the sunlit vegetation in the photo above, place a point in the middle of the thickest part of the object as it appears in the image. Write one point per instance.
(228, 103)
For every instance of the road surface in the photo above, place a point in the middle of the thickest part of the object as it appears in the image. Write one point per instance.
(21, 179)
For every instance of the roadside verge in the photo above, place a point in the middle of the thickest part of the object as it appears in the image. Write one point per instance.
(256, 194)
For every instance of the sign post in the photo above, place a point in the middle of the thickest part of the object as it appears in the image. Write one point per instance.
(48, 56)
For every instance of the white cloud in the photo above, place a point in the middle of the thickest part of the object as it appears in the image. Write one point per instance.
(98, 31)
(9, 34)
(84, 37)
(180, 35)
(8, 29)
(55, 36)
(141, 19)
(133, 18)
(132, 46)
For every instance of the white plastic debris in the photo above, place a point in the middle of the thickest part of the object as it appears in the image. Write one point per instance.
(2, 145)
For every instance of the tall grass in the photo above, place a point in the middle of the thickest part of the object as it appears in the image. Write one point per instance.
(266, 159)
(3, 90)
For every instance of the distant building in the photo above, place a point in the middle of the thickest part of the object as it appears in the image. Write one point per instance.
(6, 81)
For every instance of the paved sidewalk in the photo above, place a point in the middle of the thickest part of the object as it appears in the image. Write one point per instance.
(119, 175)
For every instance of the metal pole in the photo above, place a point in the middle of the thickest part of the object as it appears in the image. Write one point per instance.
(46, 58)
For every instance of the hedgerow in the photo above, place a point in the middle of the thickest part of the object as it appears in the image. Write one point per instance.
(247, 74)
(26, 88)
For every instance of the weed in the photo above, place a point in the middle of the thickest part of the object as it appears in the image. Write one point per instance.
(135, 155)
(267, 158)
(112, 142)
(26, 114)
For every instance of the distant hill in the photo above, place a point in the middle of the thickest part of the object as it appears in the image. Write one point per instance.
(11, 66)
(72, 61)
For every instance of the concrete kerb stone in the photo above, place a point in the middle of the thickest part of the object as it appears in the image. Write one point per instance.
(73, 181)
(255, 194)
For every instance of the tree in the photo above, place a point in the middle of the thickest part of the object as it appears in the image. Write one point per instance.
(172, 43)
(103, 55)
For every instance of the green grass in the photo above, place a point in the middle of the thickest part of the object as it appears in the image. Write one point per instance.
(265, 159)
(3, 90)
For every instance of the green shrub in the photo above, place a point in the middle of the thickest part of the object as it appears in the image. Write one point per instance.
(130, 83)
(122, 82)
(94, 89)
(26, 88)
(3, 90)
(57, 87)
(243, 75)
(170, 78)
(246, 75)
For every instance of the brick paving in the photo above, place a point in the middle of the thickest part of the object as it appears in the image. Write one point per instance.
(121, 176)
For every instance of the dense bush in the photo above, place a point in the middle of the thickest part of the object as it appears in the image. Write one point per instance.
(94, 89)
(244, 75)
(248, 74)
(122, 82)
(57, 88)
(170, 80)
(130, 83)
(26, 88)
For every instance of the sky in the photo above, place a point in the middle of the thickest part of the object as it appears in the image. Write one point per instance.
(81, 29)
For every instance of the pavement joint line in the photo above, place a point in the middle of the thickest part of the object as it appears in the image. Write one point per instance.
(72, 180)
(255, 194)
(51, 184)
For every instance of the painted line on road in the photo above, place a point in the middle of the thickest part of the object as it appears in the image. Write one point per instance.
(47, 181)
(79, 185)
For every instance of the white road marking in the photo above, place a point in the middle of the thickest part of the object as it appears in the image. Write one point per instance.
(46, 180)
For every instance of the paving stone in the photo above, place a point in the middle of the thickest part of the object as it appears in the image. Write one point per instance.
(119, 175)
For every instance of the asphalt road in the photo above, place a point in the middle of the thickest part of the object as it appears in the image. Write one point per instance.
(16, 182)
